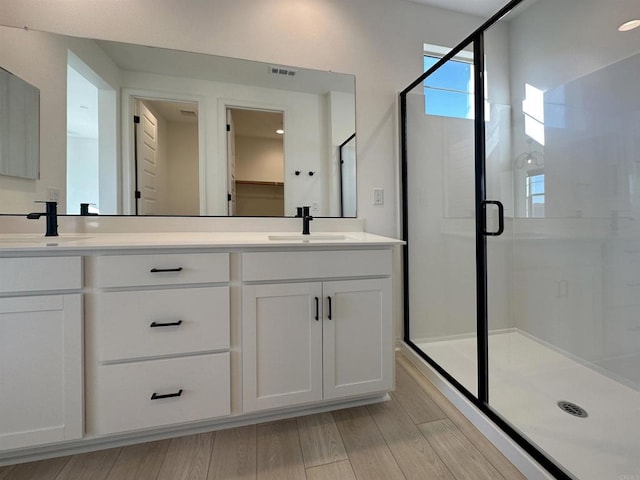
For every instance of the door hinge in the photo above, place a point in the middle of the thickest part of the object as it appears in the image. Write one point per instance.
(228, 127)
(136, 119)
(138, 194)
(228, 197)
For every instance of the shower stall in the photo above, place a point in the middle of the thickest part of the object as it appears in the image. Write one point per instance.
(521, 213)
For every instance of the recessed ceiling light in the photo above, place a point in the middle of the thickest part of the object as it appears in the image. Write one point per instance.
(630, 25)
(280, 131)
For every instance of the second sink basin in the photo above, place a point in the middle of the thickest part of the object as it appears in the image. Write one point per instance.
(308, 238)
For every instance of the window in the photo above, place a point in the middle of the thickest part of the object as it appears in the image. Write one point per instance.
(448, 92)
(535, 193)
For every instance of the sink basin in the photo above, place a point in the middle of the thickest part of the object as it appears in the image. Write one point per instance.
(40, 239)
(308, 238)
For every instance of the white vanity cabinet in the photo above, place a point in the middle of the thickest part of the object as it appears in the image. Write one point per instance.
(40, 350)
(316, 325)
(158, 335)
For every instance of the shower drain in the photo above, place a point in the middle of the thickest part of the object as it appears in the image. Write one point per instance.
(573, 409)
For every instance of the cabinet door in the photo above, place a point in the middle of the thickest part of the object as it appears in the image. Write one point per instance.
(281, 345)
(40, 370)
(357, 337)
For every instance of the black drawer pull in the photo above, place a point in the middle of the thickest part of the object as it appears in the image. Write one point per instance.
(163, 270)
(170, 324)
(317, 317)
(329, 316)
(155, 396)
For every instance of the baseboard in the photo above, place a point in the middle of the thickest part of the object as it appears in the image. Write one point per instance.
(516, 455)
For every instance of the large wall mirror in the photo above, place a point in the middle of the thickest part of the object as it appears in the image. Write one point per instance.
(141, 130)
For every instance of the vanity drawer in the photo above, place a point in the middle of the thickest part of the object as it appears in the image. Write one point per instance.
(143, 323)
(124, 392)
(161, 269)
(33, 274)
(265, 266)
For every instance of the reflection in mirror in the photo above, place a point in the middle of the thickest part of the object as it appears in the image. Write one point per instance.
(146, 131)
(19, 127)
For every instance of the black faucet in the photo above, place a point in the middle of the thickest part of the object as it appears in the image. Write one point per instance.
(52, 218)
(306, 218)
(84, 209)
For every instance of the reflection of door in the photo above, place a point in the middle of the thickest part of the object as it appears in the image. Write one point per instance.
(147, 146)
(255, 160)
(231, 160)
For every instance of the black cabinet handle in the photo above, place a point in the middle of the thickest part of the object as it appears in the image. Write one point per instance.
(329, 315)
(155, 396)
(162, 270)
(317, 317)
(170, 324)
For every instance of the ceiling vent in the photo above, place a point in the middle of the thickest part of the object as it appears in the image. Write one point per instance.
(188, 113)
(287, 72)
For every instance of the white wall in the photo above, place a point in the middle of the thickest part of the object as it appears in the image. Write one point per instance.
(259, 159)
(83, 160)
(380, 41)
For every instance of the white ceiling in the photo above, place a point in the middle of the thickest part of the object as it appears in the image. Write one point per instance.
(482, 8)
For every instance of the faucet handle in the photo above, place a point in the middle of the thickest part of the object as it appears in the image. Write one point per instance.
(84, 208)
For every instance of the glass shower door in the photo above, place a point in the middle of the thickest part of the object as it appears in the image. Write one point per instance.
(441, 222)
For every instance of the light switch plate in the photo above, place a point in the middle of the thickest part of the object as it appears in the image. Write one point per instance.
(378, 196)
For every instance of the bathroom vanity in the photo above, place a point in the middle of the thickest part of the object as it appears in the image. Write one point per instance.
(110, 338)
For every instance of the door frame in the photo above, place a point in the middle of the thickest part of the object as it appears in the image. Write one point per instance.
(234, 103)
(129, 97)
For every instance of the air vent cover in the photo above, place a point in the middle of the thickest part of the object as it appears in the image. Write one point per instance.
(277, 70)
(188, 113)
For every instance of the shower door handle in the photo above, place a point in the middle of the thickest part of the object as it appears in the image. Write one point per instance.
(500, 218)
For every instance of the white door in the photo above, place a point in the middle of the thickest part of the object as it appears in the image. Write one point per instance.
(40, 370)
(281, 345)
(147, 152)
(357, 337)
(231, 164)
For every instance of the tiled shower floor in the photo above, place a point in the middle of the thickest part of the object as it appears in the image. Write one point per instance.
(527, 379)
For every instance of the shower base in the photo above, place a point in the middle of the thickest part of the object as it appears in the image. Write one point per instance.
(528, 379)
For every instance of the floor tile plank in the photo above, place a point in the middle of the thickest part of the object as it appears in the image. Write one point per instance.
(4, 471)
(457, 452)
(420, 407)
(320, 440)
(497, 459)
(139, 462)
(187, 458)
(368, 453)
(279, 452)
(332, 471)
(415, 456)
(41, 470)
(90, 466)
(234, 454)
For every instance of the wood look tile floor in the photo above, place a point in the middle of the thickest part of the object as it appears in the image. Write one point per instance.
(416, 435)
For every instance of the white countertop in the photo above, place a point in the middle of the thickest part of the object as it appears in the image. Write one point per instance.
(104, 241)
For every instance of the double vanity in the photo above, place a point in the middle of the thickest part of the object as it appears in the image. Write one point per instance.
(121, 337)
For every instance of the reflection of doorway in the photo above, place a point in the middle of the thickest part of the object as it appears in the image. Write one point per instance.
(256, 162)
(92, 172)
(166, 158)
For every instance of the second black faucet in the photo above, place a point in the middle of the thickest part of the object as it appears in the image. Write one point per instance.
(306, 218)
